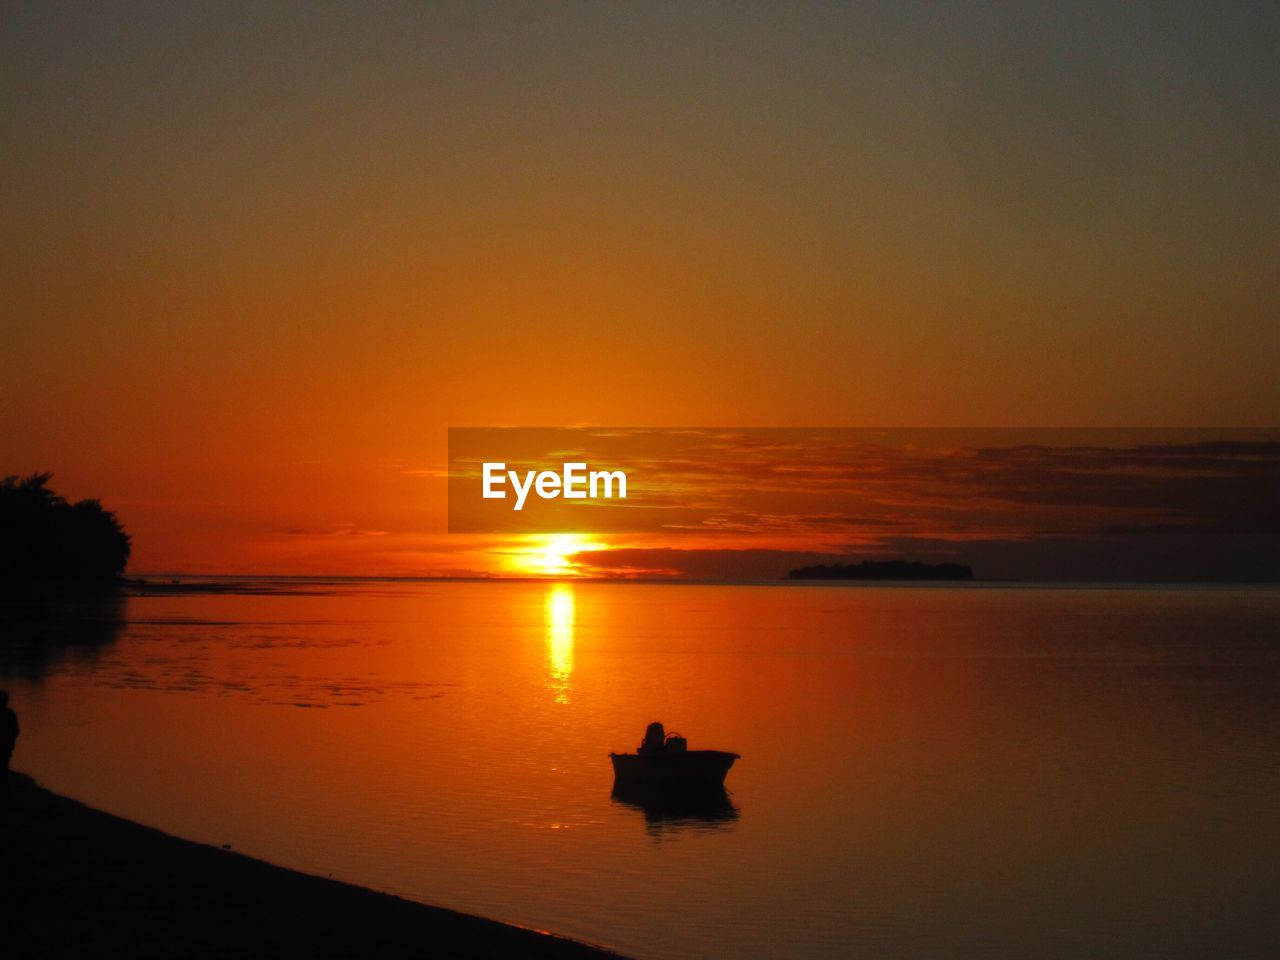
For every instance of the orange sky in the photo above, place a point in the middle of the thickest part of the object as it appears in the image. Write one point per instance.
(258, 260)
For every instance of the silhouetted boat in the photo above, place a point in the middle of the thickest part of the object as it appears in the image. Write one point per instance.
(666, 762)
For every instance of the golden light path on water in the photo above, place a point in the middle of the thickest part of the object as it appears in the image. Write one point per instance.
(559, 629)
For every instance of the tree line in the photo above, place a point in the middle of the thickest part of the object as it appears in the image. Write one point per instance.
(44, 536)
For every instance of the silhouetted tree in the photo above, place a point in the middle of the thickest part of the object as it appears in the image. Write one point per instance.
(44, 536)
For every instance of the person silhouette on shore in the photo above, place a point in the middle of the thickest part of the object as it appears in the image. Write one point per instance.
(8, 739)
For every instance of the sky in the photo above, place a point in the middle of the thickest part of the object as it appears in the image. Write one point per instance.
(259, 257)
(1012, 504)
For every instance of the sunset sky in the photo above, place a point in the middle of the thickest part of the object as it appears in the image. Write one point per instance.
(258, 258)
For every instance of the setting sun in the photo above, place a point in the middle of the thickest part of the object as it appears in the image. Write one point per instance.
(551, 555)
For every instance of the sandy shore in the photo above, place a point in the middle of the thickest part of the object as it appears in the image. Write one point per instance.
(80, 883)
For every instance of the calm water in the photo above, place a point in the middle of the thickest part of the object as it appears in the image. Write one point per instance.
(931, 772)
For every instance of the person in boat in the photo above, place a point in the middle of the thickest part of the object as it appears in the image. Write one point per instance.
(655, 739)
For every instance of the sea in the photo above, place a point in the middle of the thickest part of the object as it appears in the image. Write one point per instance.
(968, 770)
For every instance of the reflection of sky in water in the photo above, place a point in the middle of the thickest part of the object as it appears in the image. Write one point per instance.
(40, 637)
(925, 771)
(279, 664)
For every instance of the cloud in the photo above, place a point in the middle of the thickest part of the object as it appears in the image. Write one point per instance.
(1188, 557)
(1024, 490)
(341, 529)
(746, 503)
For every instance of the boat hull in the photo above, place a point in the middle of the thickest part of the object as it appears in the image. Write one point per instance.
(690, 769)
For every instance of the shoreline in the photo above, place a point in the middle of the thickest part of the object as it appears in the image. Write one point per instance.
(82, 883)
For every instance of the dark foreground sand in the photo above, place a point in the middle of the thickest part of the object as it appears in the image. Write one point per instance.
(80, 883)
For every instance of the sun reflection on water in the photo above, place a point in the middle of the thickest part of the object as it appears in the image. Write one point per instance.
(559, 623)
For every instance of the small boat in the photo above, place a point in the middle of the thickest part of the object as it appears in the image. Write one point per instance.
(665, 761)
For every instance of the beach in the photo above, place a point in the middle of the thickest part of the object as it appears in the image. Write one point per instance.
(81, 883)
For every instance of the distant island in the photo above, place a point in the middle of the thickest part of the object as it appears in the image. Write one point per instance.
(43, 537)
(884, 570)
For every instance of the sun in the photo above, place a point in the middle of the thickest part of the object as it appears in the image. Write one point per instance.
(551, 555)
